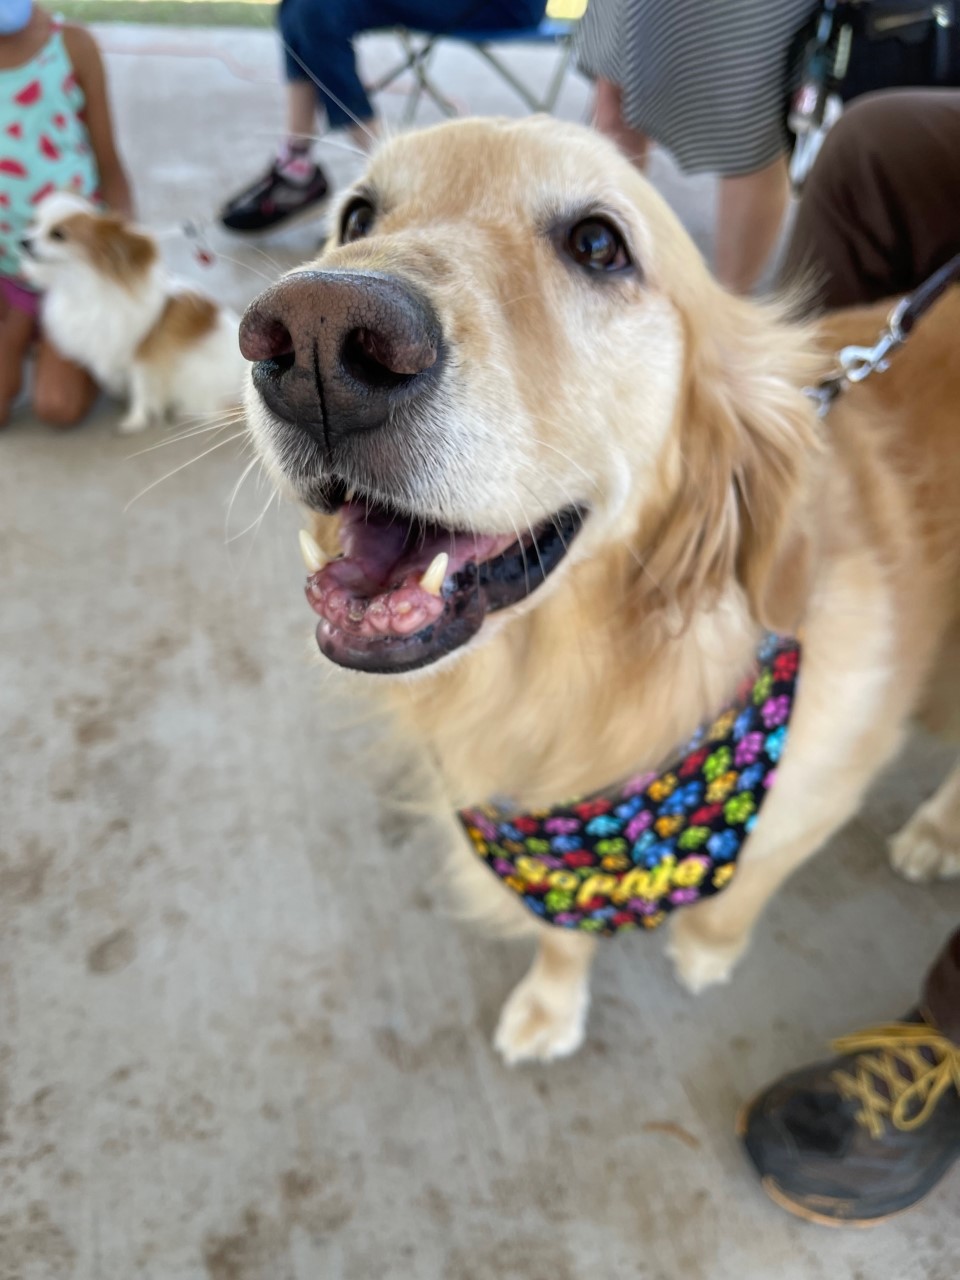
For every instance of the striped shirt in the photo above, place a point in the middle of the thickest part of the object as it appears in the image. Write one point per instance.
(706, 79)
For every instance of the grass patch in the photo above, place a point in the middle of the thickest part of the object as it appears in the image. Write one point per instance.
(215, 13)
(175, 13)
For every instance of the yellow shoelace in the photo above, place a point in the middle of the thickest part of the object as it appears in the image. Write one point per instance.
(910, 1099)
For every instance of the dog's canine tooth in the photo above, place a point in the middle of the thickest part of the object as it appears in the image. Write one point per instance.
(349, 496)
(433, 579)
(310, 549)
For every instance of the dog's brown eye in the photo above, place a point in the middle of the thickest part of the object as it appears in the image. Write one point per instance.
(57, 234)
(357, 221)
(596, 245)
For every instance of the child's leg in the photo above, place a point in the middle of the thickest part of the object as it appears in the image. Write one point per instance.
(16, 332)
(63, 393)
(608, 118)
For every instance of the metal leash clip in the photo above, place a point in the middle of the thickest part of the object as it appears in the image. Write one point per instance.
(858, 363)
(825, 392)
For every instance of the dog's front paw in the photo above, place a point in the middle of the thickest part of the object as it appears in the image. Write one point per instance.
(924, 851)
(698, 960)
(542, 1021)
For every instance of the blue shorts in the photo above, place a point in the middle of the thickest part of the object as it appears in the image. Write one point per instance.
(318, 36)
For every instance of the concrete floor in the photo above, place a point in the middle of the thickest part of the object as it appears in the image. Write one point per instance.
(237, 1040)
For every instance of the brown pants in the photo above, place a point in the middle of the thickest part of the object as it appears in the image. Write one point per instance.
(881, 212)
(941, 993)
(881, 209)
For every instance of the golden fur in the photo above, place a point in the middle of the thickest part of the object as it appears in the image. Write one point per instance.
(719, 506)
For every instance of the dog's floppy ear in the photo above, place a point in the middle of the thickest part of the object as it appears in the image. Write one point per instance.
(746, 447)
(775, 551)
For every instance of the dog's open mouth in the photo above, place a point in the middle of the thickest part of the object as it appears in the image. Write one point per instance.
(406, 592)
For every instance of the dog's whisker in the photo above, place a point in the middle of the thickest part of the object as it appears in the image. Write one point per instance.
(489, 436)
(268, 258)
(261, 476)
(191, 434)
(239, 435)
(641, 563)
(179, 438)
(254, 524)
(239, 262)
(536, 547)
(545, 444)
(572, 502)
(322, 139)
(195, 432)
(327, 92)
(205, 421)
(275, 495)
(521, 297)
(523, 553)
(204, 415)
(233, 496)
(533, 540)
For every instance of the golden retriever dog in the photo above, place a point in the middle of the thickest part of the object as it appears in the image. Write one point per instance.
(559, 485)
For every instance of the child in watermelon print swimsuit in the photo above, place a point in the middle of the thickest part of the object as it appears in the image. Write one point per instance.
(55, 135)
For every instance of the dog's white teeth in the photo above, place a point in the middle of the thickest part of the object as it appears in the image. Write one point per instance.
(350, 495)
(435, 576)
(313, 556)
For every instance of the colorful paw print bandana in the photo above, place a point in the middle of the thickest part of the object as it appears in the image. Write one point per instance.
(628, 856)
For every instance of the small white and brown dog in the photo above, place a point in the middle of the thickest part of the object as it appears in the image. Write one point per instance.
(110, 305)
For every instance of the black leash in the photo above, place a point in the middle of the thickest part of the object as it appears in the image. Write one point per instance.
(857, 363)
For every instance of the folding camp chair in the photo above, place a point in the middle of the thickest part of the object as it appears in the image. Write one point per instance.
(420, 47)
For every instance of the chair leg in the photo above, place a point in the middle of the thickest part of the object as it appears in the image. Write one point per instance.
(560, 75)
(418, 58)
(426, 86)
(415, 55)
(549, 101)
(416, 61)
(394, 74)
(388, 78)
(504, 72)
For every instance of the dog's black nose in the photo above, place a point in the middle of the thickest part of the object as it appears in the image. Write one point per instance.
(335, 351)
(26, 246)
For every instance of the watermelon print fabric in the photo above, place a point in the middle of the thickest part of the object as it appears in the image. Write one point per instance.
(628, 856)
(44, 146)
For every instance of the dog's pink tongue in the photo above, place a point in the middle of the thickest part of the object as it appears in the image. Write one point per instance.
(372, 546)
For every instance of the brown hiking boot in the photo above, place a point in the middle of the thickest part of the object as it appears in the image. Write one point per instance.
(850, 1141)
